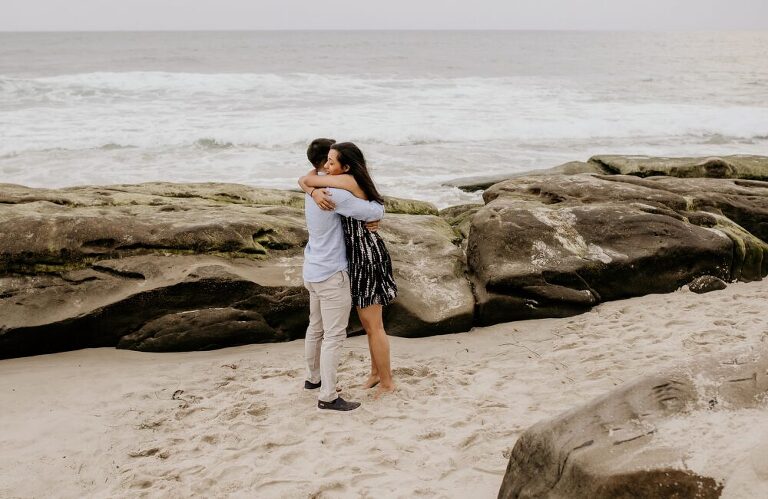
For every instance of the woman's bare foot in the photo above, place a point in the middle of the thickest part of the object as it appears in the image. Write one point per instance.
(383, 390)
(372, 381)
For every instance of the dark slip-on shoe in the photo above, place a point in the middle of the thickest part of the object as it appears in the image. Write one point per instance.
(338, 405)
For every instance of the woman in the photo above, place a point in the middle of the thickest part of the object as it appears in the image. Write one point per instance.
(370, 267)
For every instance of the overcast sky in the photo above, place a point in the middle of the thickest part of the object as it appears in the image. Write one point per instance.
(77, 15)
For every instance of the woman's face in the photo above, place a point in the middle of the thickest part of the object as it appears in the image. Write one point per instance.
(332, 166)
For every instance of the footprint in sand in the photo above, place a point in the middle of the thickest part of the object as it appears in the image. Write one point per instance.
(154, 451)
(274, 373)
(225, 381)
(431, 435)
(711, 337)
(490, 404)
(470, 440)
(425, 492)
(186, 412)
(676, 322)
(141, 484)
(210, 439)
(593, 358)
(257, 409)
(290, 457)
(463, 381)
(411, 375)
(332, 487)
(230, 413)
(724, 323)
(150, 425)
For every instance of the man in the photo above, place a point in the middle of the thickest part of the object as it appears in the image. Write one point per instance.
(326, 279)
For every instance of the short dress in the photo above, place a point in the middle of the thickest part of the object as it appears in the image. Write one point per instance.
(370, 267)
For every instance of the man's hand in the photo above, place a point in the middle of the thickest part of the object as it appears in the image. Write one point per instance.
(323, 199)
(372, 226)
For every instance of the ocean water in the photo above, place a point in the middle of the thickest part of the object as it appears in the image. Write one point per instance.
(425, 107)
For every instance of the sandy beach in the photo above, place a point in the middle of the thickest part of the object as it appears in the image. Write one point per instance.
(237, 423)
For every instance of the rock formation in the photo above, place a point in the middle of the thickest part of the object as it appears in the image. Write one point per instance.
(164, 266)
(555, 245)
(617, 445)
(706, 284)
(192, 266)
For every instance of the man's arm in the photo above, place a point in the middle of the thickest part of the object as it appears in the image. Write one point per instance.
(350, 206)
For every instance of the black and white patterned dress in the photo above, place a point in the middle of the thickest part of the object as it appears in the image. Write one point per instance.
(370, 267)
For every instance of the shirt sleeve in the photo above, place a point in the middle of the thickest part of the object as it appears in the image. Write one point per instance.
(350, 206)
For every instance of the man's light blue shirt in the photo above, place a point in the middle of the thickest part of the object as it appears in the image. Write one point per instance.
(326, 253)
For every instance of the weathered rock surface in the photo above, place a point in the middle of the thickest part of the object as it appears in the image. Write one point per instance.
(546, 246)
(114, 298)
(460, 218)
(203, 329)
(736, 166)
(434, 296)
(706, 284)
(147, 266)
(480, 183)
(617, 446)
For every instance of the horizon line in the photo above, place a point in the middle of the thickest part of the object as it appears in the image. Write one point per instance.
(322, 30)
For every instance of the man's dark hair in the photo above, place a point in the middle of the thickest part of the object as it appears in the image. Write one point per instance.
(317, 152)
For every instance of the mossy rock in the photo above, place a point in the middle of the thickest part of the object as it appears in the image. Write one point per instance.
(408, 206)
(735, 166)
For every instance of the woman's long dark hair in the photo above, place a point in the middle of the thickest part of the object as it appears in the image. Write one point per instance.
(352, 157)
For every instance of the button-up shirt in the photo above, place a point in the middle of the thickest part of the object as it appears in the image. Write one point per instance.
(326, 253)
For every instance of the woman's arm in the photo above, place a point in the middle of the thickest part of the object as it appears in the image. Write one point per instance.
(303, 185)
(321, 197)
(344, 181)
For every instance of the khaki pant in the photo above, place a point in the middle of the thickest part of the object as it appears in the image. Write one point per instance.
(330, 302)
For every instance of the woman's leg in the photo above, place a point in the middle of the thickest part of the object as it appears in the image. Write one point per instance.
(373, 377)
(378, 343)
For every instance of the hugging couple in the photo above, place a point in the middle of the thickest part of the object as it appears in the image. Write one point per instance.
(345, 263)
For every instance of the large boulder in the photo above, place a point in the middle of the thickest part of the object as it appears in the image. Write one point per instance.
(112, 299)
(628, 443)
(548, 246)
(435, 296)
(164, 266)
